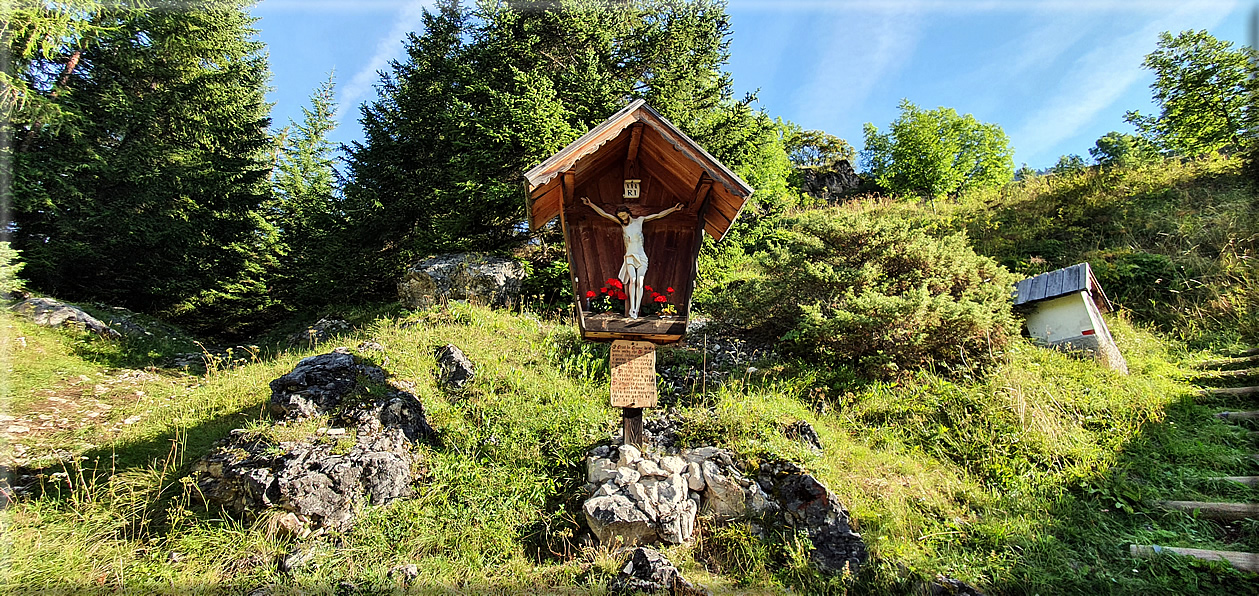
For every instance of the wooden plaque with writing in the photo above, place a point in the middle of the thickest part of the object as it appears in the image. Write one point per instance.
(633, 374)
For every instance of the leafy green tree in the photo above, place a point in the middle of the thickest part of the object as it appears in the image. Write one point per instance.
(814, 147)
(1203, 88)
(153, 202)
(305, 210)
(1120, 149)
(488, 91)
(935, 153)
(1067, 164)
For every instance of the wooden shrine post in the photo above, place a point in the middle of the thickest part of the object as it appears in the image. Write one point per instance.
(634, 197)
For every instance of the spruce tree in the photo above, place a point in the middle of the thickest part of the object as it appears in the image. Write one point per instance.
(305, 211)
(152, 202)
(488, 91)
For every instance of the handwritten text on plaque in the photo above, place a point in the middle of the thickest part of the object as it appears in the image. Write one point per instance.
(633, 374)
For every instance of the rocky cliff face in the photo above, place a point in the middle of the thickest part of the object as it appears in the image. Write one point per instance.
(829, 183)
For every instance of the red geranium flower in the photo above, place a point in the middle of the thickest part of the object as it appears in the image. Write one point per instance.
(603, 290)
(616, 283)
(621, 296)
(648, 288)
(591, 294)
(670, 290)
(660, 298)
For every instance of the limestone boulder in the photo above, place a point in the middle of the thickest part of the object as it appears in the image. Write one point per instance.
(322, 481)
(615, 519)
(648, 571)
(454, 368)
(54, 313)
(320, 383)
(322, 484)
(800, 501)
(461, 276)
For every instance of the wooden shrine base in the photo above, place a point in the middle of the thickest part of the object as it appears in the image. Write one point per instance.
(605, 326)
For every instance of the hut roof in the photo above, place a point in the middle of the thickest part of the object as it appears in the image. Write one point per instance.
(679, 158)
(1053, 284)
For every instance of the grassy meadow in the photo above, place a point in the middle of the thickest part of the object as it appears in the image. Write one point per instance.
(1031, 476)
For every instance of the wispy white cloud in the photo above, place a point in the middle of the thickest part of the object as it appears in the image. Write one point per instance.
(306, 6)
(973, 6)
(850, 66)
(409, 17)
(1100, 77)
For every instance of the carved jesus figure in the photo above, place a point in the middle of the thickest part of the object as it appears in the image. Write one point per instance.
(634, 268)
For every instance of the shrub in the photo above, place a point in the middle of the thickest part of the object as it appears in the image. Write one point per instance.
(875, 295)
(9, 266)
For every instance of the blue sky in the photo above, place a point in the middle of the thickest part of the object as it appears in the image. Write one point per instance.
(1055, 74)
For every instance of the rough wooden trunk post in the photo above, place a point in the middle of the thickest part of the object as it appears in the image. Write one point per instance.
(633, 426)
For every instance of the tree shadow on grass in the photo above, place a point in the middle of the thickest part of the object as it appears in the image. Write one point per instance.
(152, 466)
(1082, 545)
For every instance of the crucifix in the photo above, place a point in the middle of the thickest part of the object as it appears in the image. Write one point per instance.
(634, 266)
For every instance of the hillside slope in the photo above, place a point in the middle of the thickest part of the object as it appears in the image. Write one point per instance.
(1014, 482)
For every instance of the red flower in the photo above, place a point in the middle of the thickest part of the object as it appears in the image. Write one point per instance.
(591, 294)
(660, 298)
(670, 290)
(648, 288)
(621, 296)
(603, 290)
(616, 283)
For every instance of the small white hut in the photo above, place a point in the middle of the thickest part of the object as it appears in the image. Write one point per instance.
(1065, 311)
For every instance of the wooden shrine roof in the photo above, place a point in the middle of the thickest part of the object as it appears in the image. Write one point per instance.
(1068, 280)
(673, 156)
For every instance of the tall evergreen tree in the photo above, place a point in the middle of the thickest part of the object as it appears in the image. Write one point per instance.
(305, 211)
(487, 91)
(153, 201)
(43, 44)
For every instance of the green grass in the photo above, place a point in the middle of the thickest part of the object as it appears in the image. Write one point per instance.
(1031, 477)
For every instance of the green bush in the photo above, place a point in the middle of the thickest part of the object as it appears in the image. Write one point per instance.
(875, 295)
(9, 266)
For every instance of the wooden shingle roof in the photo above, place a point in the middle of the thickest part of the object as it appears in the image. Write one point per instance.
(677, 159)
(1061, 282)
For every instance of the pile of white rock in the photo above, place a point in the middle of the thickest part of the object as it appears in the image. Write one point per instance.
(641, 498)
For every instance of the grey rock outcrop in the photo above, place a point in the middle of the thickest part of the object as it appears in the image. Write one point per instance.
(454, 369)
(459, 276)
(54, 313)
(829, 183)
(803, 431)
(319, 332)
(649, 571)
(318, 384)
(322, 481)
(799, 501)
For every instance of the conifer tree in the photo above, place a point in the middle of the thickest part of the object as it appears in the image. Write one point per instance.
(487, 91)
(304, 211)
(152, 202)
